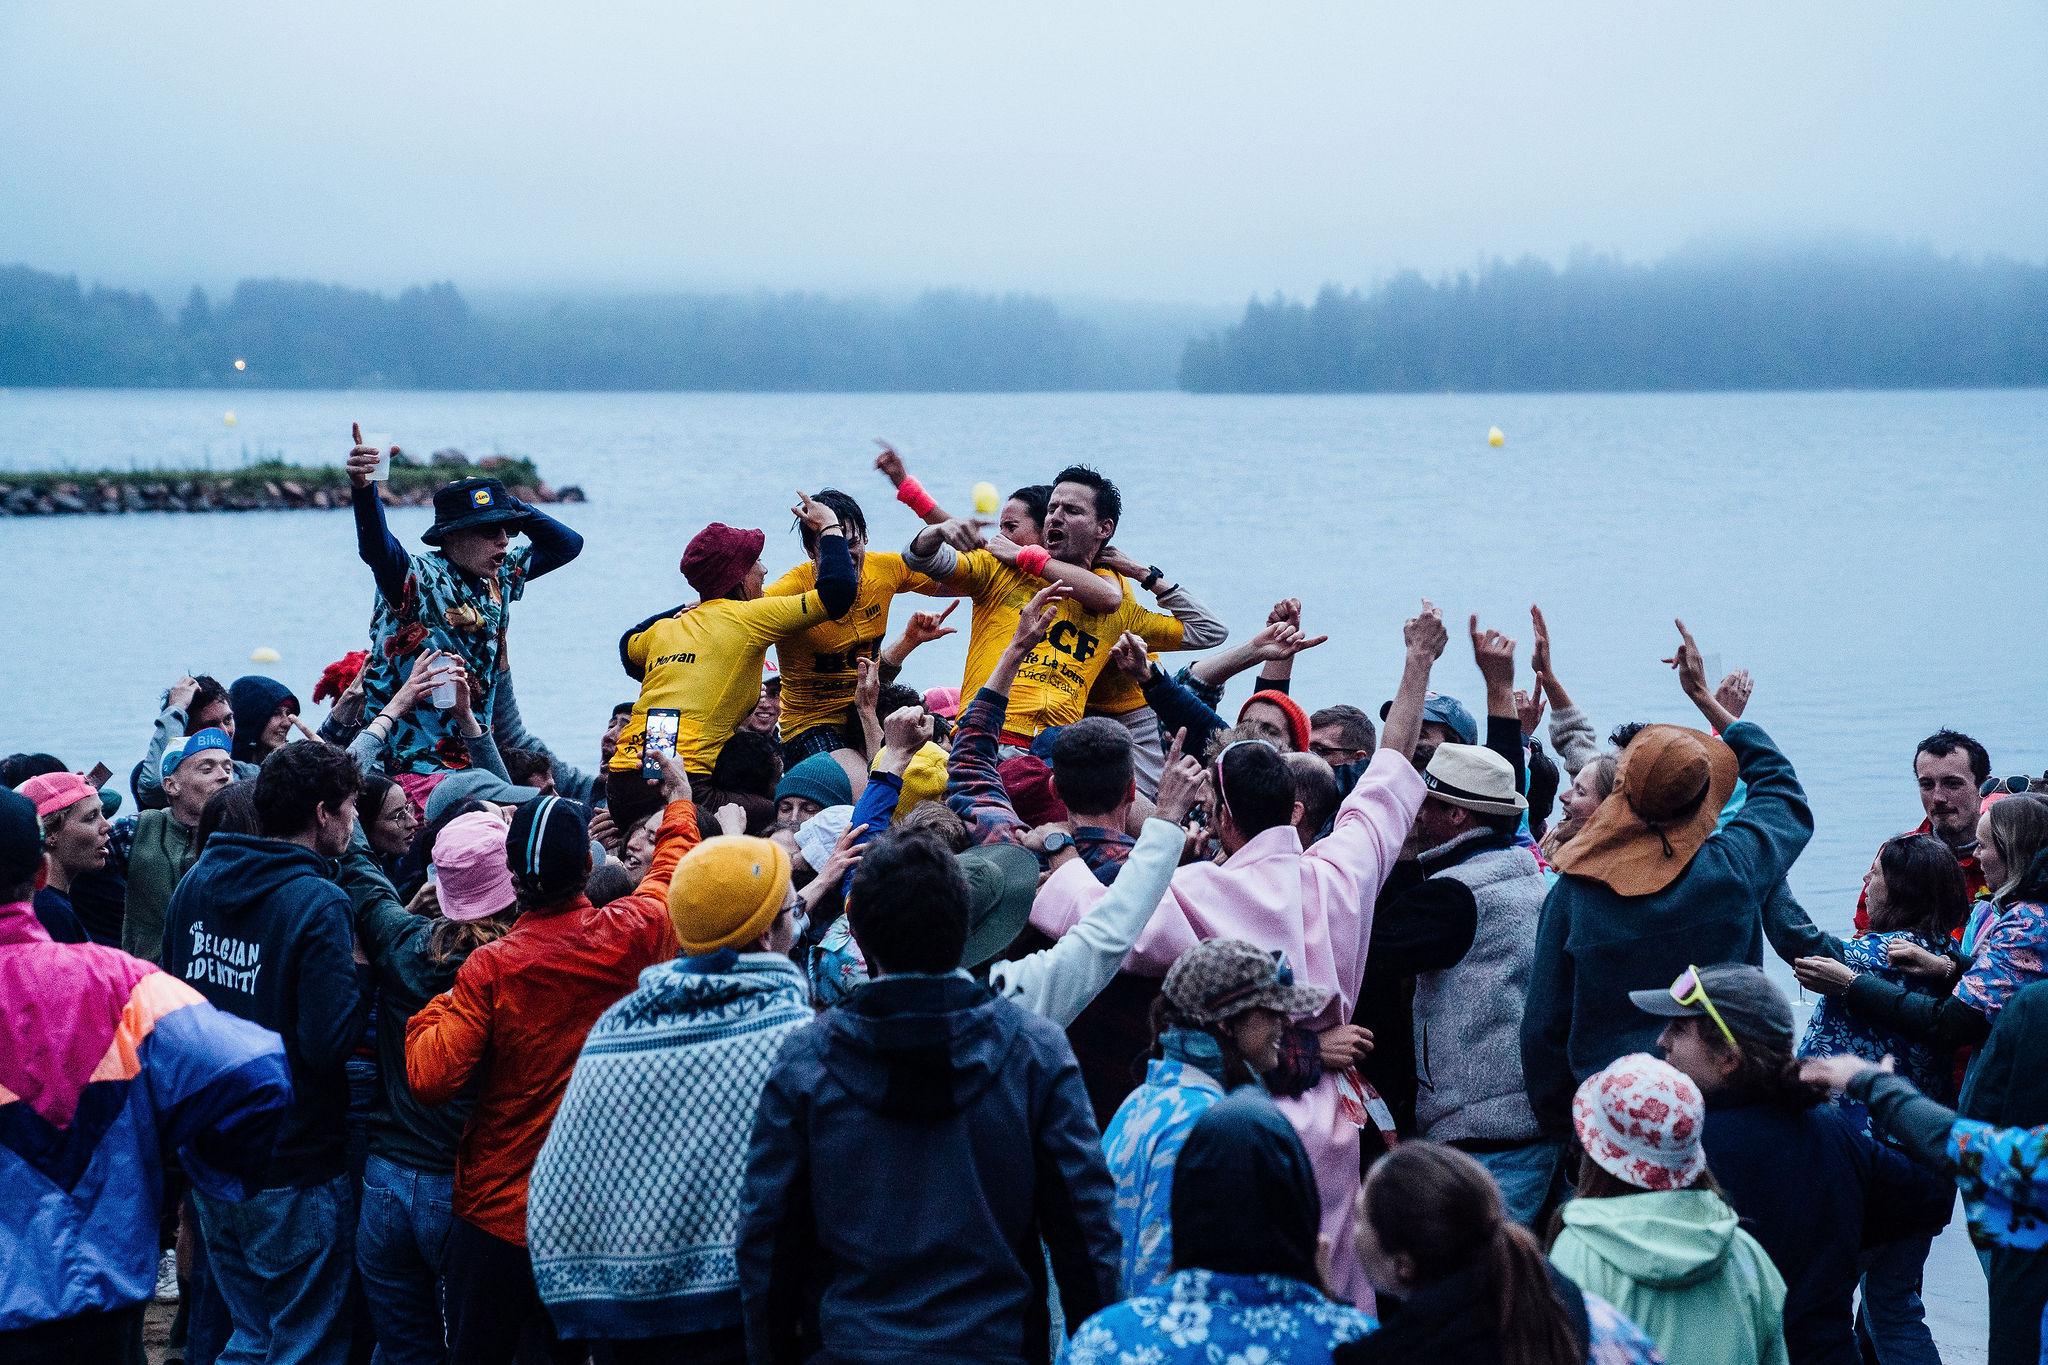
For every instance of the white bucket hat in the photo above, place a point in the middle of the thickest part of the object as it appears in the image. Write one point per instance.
(1474, 777)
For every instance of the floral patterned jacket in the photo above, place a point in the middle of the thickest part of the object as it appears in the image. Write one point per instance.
(425, 602)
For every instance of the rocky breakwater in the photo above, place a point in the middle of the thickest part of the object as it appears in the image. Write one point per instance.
(272, 486)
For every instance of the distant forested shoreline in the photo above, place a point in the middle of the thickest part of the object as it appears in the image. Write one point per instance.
(292, 334)
(1836, 319)
(1697, 320)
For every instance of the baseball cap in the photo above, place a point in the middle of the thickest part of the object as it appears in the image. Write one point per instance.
(1446, 711)
(179, 750)
(1748, 1002)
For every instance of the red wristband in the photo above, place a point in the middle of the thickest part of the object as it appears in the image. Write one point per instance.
(912, 495)
(1032, 559)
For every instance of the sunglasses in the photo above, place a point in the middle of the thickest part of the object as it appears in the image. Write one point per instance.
(1222, 792)
(2012, 786)
(1688, 991)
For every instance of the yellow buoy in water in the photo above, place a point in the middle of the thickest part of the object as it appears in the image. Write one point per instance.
(985, 500)
(264, 654)
(1496, 437)
(228, 418)
(241, 364)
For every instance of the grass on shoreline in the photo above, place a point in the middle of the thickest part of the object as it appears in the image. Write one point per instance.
(512, 471)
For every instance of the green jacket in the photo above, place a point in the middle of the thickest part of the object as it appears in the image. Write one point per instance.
(162, 853)
(417, 1136)
(1675, 1263)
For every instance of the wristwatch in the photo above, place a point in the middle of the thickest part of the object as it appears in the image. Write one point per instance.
(1058, 842)
(1152, 576)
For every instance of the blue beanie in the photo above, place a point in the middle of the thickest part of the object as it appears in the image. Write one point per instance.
(818, 778)
(254, 700)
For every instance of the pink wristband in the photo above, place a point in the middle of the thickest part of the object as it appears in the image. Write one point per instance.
(1032, 559)
(912, 495)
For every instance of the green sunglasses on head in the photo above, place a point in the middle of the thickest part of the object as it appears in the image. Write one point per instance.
(1688, 990)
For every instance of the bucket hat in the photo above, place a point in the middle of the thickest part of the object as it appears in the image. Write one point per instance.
(1668, 794)
(469, 503)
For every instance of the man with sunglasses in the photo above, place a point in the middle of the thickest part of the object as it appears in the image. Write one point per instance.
(1810, 1184)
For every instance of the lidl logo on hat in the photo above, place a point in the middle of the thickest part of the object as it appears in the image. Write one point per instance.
(480, 496)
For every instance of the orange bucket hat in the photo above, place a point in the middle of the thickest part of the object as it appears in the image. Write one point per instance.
(1668, 794)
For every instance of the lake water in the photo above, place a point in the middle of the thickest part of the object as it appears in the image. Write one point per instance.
(1874, 558)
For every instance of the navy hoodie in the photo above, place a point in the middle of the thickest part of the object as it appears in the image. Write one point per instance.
(259, 927)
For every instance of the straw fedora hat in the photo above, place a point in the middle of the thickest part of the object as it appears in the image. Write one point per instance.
(1474, 777)
(1668, 794)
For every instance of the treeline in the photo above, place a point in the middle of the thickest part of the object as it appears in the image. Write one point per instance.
(293, 334)
(1788, 319)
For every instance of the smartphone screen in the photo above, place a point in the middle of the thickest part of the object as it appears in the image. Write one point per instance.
(661, 736)
(97, 778)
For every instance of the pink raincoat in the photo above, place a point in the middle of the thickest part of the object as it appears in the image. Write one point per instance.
(1317, 905)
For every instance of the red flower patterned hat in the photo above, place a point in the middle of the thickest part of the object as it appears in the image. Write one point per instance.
(1640, 1121)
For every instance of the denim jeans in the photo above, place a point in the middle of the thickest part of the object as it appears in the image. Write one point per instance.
(1524, 1175)
(1891, 1314)
(400, 1235)
(281, 1259)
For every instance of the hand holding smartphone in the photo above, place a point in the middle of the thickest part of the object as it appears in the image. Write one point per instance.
(662, 724)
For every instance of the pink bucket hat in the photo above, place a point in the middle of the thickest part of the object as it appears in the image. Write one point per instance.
(53, 792)
(943, 701)
(1640, 1121)
(470, 867)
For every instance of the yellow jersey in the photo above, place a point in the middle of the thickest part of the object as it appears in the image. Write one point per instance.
(818, 665)
(1053, 683)
(705, 662)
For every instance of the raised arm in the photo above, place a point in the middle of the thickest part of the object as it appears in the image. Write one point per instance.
(1274, 646)
(377, 547)
(1425, 637)
(553, 543)
(837, 583)
(1060, 981)
(1494, 653)
(909, 491)
(974, 782)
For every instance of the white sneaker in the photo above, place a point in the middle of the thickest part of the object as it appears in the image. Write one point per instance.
(167, 1278)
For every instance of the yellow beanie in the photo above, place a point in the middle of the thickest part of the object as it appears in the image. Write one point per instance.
(924, 779)
(726, 892)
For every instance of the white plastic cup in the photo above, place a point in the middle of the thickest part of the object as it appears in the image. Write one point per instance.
(379, 475)
(443, 696)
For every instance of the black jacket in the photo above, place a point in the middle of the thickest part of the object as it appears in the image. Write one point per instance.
(1450, 1323)
(260, 929)
(1814, 1189)
(911, 1149)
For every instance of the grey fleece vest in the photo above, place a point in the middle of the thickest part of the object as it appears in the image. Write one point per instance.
(1468, 1018)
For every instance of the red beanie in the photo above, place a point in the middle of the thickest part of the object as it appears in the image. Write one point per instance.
(1029, 783)
(719, 556)
(1297, 719)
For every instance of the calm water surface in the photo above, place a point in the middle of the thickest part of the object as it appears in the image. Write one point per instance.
(1874, 559)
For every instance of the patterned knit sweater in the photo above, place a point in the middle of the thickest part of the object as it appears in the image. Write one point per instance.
(633, 1214)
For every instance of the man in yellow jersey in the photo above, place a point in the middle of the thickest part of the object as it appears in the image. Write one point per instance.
(703, 660)
(1022, 524)
(1052, 687)
(819, 666)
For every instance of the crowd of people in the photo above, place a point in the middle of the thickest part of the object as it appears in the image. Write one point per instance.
(1052, 1011)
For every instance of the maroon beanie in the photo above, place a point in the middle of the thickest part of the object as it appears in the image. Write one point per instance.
(1029, 783)
(719, 556)
(1297, 719)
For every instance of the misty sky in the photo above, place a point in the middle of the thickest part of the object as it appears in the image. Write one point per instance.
(1174, 151)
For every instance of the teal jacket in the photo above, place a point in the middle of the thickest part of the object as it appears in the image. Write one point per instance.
(1676, 1265)
(1594, 946)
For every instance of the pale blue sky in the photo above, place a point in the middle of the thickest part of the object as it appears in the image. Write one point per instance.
(1173, 151)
